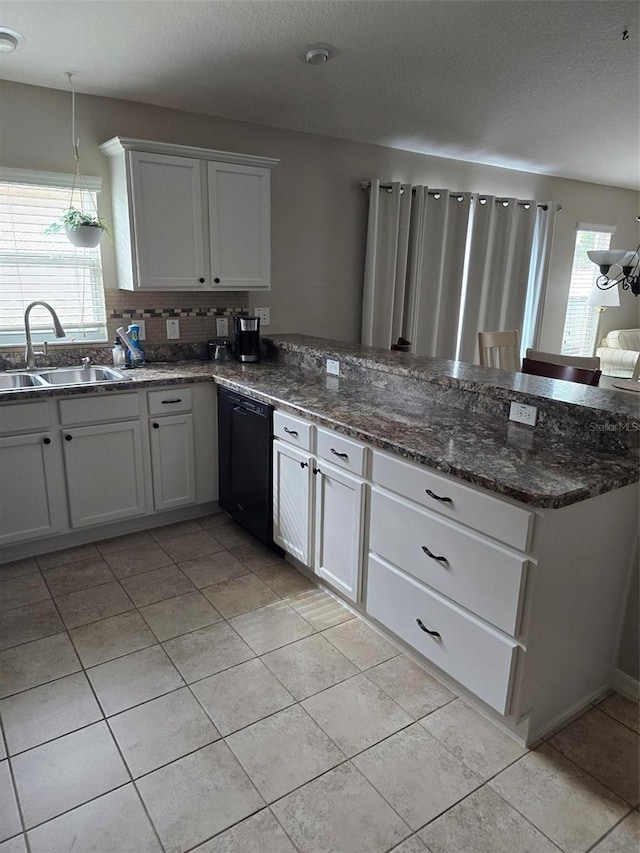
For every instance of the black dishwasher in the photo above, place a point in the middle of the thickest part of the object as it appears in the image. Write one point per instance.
(245, 438)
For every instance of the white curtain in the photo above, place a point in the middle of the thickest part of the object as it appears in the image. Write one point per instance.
(439, 226)
(538, 275)
(442, 266)
(498, 270)
(385, 264)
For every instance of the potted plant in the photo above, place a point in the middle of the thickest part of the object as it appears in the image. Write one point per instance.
(83, 229)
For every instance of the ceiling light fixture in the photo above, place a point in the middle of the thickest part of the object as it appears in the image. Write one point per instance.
(317, 54)
(628, 263)
(10, 40)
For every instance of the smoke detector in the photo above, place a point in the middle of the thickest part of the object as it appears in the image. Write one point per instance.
(10, 40)
(317, 54)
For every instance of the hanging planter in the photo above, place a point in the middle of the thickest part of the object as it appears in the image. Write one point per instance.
(84, 230)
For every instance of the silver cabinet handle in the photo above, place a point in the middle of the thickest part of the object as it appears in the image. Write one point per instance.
(291, 432)
(437, 497)
(337, 453)
(442, 560)
(424, 628)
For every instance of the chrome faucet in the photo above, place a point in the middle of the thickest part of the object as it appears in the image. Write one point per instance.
(29, 352)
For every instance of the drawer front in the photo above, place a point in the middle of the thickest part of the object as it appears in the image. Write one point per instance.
(497, 518)
(475, 655)
(24, 417)
(169, 401)
(485, 578)
(97, 408)
(293, 430)
(341, 452)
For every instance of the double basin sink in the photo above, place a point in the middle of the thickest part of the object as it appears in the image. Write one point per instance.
(62, 376)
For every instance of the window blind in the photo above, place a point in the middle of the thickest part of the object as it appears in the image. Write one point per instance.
(581, 320)
(35, 266)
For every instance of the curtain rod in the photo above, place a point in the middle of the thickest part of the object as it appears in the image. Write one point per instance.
(366, 185)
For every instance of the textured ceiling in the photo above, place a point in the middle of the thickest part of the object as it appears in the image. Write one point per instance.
(547, 86)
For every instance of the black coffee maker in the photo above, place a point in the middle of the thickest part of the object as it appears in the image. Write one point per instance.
(247, 338)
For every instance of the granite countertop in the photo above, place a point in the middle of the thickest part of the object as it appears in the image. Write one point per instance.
(531, 466)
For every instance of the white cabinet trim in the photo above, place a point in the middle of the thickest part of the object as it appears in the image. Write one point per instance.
(123, 143)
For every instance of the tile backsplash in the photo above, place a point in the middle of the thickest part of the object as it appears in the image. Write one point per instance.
(197, 312)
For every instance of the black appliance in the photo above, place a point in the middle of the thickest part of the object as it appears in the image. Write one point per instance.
(247, 331)
(245, 437)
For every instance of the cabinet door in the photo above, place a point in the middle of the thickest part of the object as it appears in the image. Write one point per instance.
(292, 499)
(172, 461)
(339, 517)
(29, 477)
(168, 222)
(239, 226)
(103, 469)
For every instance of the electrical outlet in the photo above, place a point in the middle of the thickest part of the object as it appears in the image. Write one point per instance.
(333, 367)
(222, 327)
(173, 329)
(143, 330)
(264, 314)
(523, 414)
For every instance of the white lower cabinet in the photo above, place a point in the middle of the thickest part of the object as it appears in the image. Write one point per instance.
(318, 509)
(30, 505)
(339, 521)
(104, 472)
(88, 460)
(172, 461)
(292, 500)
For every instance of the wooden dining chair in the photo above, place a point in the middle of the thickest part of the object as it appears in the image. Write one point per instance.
(585, 362)
(561, 371)
(499, 349)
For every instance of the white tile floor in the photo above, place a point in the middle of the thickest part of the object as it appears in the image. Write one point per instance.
(184, 690)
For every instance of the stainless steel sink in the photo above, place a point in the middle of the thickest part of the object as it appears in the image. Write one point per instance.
(81, 375)
(67, 376)
(18, 381)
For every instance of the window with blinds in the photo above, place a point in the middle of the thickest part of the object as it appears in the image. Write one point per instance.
(581, 320)
(36, 266)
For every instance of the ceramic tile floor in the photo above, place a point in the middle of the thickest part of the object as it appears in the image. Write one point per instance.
(184, 690)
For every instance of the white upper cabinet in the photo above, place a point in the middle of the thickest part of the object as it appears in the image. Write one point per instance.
(189, 218)
(239, 226)
(167, 210)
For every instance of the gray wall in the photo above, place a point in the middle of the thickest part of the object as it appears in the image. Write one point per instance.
(319, 212)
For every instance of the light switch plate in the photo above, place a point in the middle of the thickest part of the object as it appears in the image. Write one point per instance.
(264, 314)
(222, 327)
(173, 329)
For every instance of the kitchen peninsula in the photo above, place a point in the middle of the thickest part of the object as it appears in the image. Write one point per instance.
(517, 597)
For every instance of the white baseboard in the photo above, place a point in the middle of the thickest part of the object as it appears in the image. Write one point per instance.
(626, 685)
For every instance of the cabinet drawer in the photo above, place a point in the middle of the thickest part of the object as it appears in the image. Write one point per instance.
(24, 417)
(474, 654)
(341, 452)
(293, 430)
(97, 408)
(504, 521)
(483, 577)
(169, 401)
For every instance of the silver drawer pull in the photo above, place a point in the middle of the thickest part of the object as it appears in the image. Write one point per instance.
(424, 628)
(168, 402)
(437, 497)
(292, 432)
(442, 560)
(337, 453)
